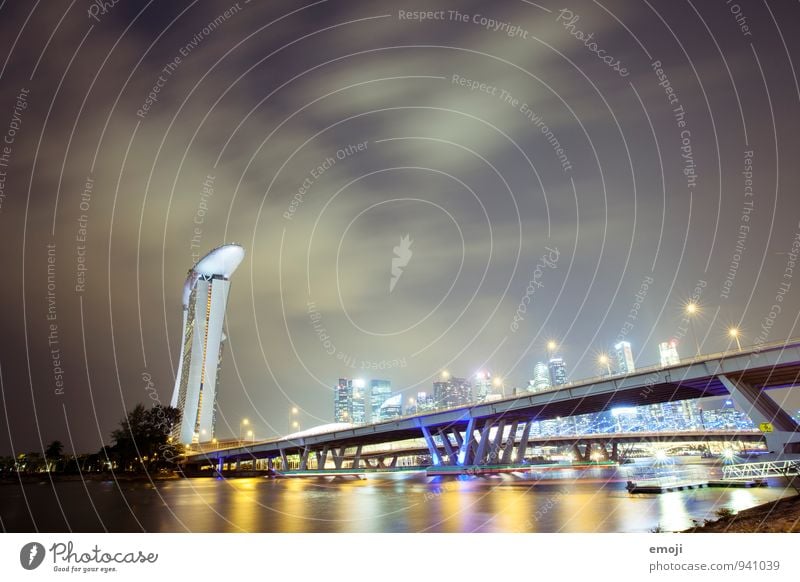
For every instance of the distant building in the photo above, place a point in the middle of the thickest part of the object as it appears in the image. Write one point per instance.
(483, 386)
(668, 352)
(624, 358)
(541, 378)
(391, 408)
(558, 372)
(343, 401)
(205, 296)
(380, 391)
(425, 402)
(452, 392)
(359, 412)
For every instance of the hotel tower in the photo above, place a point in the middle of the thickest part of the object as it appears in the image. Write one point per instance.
(205, 296)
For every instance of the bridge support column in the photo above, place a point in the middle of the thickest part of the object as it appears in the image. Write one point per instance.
(432, 448)
(304, 459)
(452, 457)
(483, 444)
(603, 450)
(494, 451)
(523, 441)
(615, 451)
(220, 464)
(338, 457)
(357, 458)
(761, 408)
(284, 461)
(236, 466)
(508, 449)
(466, 444)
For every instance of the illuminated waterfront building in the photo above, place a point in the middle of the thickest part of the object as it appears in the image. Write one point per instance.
(380, 391)
(343, 401)
(483, 386)
(668, 353)
(391, 408)
(425, 402)
(558, 372)
(541, 378)
(623, 356)
(205, 296)
(452, 392)
(359, 412)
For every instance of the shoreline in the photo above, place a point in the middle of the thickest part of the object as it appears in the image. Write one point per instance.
(32, 478)
(779, 516)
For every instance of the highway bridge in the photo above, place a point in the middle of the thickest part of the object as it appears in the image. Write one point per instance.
(499, 431)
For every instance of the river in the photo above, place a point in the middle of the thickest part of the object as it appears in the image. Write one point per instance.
(591, 500)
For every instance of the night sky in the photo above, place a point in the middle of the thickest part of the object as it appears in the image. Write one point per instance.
(598, 163)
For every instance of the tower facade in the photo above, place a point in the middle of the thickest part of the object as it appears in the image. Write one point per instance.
(668, 353)
(541, 378)
(624, 358)
(343, 401)
(205, 296)
(558, 372)
(380, 391)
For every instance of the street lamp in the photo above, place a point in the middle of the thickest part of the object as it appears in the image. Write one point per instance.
(251, 436)
(445, 374)
(691, 310)
(293, 421)
(604, 360)
(734, 333)
(244, 422)
(551, 348)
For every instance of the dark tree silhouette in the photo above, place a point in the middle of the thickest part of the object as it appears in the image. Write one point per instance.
(143, 442)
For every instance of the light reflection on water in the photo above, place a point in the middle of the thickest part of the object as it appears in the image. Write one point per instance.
(593, 500)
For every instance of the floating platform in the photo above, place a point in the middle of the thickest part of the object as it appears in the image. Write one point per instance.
(664, 488)
(746, 484)
(633, 487)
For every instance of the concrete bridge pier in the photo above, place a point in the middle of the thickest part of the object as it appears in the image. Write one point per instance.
(784, 438)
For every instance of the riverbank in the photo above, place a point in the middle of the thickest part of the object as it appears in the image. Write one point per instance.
(780, 516)
(27, 478)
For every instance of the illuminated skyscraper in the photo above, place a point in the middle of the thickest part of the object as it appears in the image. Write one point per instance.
(343, 401)
(668, 351)
(205, 296)
(425, 402)
(483, 386)
(558, 372)
(624, 358)
(541, 378)
(380, 391)
(452, 392)
(359, 412)
(391, 408)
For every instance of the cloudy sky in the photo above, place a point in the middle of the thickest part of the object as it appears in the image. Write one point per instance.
(598, 163)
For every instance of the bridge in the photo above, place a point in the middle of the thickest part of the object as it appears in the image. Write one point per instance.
(499, 431)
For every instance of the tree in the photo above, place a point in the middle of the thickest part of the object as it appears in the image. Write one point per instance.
(143, 440)
(52, 454)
